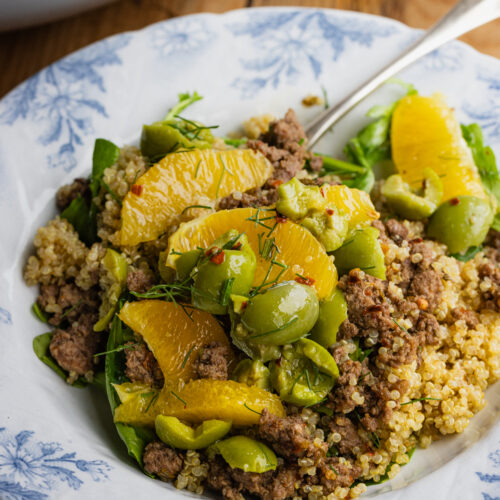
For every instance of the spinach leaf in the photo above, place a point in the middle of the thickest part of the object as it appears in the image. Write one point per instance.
(105, 154)
(135, 438)
(82, 218)
(80, 214)
(185, 100)
(41, 345)
(469, 254)
(484, 158)
(37, 311)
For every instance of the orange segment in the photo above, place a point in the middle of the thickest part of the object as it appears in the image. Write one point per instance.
(298, 248)
(355, 204)
(425, 133)
(182, 179)
(201, 400)
(174, 339)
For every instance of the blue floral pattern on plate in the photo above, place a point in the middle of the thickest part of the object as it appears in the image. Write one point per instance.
(30, 470)
(491, 479)
(488, 113)
(57, 98)
(5, 316)
(289, 43)
(185, 36)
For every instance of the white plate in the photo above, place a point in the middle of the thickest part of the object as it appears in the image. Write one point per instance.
(59, 442)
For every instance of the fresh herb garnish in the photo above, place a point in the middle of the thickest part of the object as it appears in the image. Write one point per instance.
(118, 349)
(226, 290)
(254, 411)
(375, 439)
(186, 357)
(224, 170)
(152, 400)
(197, 169)
(185, 100)
(196, 206)
(235, 142)
(420, 399)
(178, 397)
(71, 309)
(325, 97)
(400, 326)
(279, 329)
(111, 192)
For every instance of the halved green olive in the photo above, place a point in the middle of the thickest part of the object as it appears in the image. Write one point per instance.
(329, 229)
(305, 373)
(178, 435)
(296, 199)
(461, 222)
(280, 315)
(242, 452)
(362, 250)
(332, 312)
(252, 372)
(115, 266)
(408, 204)
(161, 138)
(223, 272)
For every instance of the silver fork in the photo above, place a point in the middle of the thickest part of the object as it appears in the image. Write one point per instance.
(463, 17)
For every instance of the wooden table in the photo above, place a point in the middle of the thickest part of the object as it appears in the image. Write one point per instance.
(24, 52)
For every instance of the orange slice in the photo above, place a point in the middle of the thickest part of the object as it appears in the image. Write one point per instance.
(173, 337)
(356, 205)
(298, 248)
(180, 180)
(425, 133)
(200, 400)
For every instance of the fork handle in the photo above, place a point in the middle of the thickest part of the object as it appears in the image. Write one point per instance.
(463, 17)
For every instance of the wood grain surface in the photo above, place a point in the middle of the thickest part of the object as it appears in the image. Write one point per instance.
(24, 52)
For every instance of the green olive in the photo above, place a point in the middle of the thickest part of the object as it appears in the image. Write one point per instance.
(305, 373)
(461, 222)
(408, 204)
(161, 138)
(115, 266)
(252, 372)
(185, 263)
(281, 315)
(332, 312)
(222, 272)
(296, 199)
(329, 229)
(178, 435)
(242, 452)
(362, 250)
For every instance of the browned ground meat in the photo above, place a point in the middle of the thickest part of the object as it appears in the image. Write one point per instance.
(66, 194)
(213, 362)
(73, 301)
(162, 461)
(349, 433)
(289, 436)
(493, 239)
(491, 297)
(333, 473)
(74, 348)
(141, 365)
(367, 307)
(347, 330)
(278, 484)
(470, 317)
(427, 285)
(428, 326)
(391, 229)
(254, 198)
(139, 281)
(347, 383)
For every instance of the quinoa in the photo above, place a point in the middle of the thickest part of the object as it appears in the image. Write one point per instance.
(433, 334)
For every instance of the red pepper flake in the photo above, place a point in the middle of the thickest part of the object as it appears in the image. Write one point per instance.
(330, 211)
(137, 189)
(417, 240)
(278, 362)
(244, 305)
(275, 183)
(454, 201)
(281, 219)
(237, 246)
(322, 192)
(215, 255)
(305, 280)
